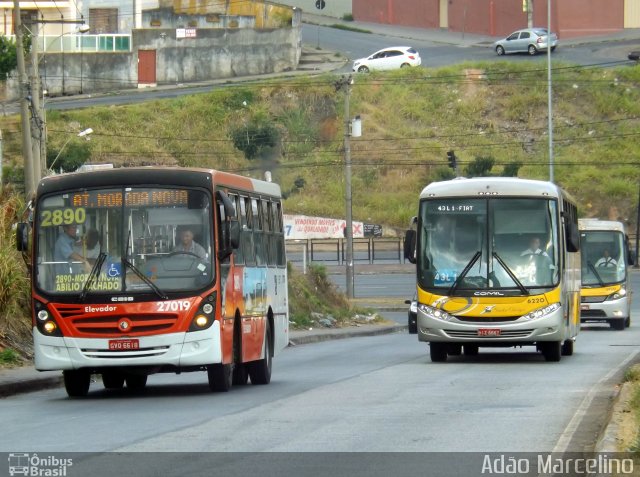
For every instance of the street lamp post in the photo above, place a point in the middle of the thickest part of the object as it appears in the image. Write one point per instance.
(85, 133)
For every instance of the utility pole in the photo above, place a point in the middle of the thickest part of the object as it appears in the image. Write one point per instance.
(37, 124)
(529, 13)
(549, 92)
(345, 84)
(29, 182)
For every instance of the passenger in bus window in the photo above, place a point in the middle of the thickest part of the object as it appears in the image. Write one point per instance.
(606, 260)
(64, 251)
(89, 248)
(534, 248)
(187, 244)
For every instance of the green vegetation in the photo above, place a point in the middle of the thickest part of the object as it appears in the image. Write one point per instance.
(629, 437)
(313, 292)
(340, 26)
(347, 17)
(9, 357)
(8, 56)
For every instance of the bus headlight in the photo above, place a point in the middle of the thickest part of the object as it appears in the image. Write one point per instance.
(50, 327)
(43, 315)
(435, 313)
(541, 312)
(205, 316)
(201, 321)
(617, 295)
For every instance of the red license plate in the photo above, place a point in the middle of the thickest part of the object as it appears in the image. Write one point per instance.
(123, 345)
(489, 332)
(585, 307)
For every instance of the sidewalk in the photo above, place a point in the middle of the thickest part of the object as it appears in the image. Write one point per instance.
(26, 379)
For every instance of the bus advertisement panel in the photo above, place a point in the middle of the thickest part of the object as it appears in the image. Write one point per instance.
(138, 271)
(497, 265)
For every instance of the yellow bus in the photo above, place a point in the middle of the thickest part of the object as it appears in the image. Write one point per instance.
(498, 265)
(605, 296)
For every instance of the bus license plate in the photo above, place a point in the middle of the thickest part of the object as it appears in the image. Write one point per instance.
(123, 345)
(489, 332)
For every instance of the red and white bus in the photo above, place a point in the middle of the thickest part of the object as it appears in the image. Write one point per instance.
(137, 271)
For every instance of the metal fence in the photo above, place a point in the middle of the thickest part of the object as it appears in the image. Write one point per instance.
(333, 251)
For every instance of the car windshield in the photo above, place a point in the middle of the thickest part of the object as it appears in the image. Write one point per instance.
(475, 244)
(540, 32)
(124, 240)
(602, 254)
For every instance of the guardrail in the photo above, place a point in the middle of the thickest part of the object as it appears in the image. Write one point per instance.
(333, 251)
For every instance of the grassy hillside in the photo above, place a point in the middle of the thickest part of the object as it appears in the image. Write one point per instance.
(294, 128)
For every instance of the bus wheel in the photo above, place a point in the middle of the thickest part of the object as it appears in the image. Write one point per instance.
(76, 382)
(438, 352)
(627, 322)
(113, 380)
(617, 324)
(240, 374)
(220, 377)
(470, 350)
(567, 348)
(551, 350)
(136, 382)
(260, 371)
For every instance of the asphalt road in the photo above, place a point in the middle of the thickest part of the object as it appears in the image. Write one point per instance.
(373, 394)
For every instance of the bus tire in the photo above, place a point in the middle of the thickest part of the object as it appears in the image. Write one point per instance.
(260, 371)
(454, 350)
(220, 377)
(240, 374)
(438, 352)
(551, 350)
(567, 348)
(617, 325)
(113, 380)
(136, 382)
(627, 322)
(76, 382)
(470, 350)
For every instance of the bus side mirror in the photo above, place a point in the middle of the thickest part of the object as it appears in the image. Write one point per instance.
(22, 237)
(234, 234)
(572, 236)
(410, 245)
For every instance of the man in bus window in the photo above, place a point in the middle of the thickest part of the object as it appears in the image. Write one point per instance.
(534, 248)
(64, 252)
(89, 248)
(187, 244)
(606, 260)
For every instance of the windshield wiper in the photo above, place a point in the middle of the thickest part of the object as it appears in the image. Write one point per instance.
(513, 277)
(95, 271)
(145, 279)
(595, 272)
(466, 269)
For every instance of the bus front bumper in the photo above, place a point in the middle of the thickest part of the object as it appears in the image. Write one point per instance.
(172, 350)
(605, 311)
(548, 328)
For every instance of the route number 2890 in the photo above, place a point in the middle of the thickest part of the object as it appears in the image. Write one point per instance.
(180, 305)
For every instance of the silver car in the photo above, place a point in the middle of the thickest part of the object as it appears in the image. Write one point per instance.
(530, 40)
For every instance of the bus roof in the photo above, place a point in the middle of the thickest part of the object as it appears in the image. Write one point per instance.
(491, 186)
(153, 176)
(597, 225)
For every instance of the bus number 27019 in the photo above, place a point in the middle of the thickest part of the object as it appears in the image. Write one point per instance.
(180, 305)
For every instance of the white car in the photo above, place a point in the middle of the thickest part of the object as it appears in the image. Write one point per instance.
(388, 59)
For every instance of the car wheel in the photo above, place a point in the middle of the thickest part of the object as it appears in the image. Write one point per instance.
(405, 65)
(363, 69)
(553, 48)
(499, 50)
(532, 50)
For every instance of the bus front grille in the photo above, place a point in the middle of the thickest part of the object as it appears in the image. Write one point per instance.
(474, 334)
(593, 299)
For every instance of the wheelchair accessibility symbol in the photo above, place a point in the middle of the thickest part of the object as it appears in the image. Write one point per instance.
(114, 270)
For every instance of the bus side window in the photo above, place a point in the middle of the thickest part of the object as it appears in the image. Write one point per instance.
(238, 256)
(268, 231)
(279, 234)
(258, 234)
(246, 236)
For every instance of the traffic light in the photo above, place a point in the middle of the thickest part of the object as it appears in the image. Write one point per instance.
(451, 157)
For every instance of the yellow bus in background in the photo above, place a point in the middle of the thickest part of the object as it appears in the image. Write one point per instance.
(605, 295)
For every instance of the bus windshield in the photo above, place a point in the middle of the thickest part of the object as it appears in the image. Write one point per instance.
(468, 245)
(603, 261)
(124, 240)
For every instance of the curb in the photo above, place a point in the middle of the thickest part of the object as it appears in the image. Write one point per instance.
(338, 334)
(30, 385)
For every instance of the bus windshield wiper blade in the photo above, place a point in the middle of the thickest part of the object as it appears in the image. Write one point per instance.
(145, 279)
(513, 277)
(595, 272)
(95, 271)
(458, 281)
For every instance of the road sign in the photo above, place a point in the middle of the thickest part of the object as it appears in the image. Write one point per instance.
(320, 4)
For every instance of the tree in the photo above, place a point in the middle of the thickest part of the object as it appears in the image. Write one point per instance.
(8, 56)
(255, 138)
(511, 169)
(480, 167)
(73, 156)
